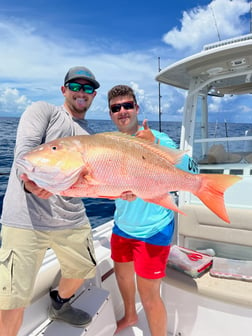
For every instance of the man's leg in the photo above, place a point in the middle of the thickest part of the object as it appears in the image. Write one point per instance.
(149, 290)
(68, 287)
(24, 251)
(10, 321)
(75, 252)
(125, 276)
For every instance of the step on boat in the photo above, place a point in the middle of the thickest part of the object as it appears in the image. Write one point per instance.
(219, 301)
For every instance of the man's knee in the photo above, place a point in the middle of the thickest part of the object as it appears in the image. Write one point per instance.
(11, 321)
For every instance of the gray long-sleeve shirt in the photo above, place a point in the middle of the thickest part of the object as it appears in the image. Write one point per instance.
(42, 122)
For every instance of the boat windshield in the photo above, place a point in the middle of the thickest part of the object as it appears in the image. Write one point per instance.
(221, 141)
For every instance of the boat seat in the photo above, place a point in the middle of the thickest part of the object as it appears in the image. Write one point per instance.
(200, 229)
(202, 224)
(227, 290)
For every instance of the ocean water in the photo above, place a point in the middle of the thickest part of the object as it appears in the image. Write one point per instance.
(98, 210)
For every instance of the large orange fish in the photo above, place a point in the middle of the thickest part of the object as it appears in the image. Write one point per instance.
(105, 165)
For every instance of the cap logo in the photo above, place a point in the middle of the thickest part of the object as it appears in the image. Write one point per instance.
(85, 73)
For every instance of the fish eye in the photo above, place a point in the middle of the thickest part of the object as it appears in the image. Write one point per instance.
(54, 148)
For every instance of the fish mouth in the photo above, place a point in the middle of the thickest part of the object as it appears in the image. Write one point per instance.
(24, 166)
(51, 179)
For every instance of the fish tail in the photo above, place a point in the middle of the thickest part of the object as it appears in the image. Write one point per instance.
(211, 192)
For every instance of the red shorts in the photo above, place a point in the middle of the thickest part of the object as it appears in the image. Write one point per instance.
(149, 260)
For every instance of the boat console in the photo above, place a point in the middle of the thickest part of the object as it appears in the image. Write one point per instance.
(219, 75)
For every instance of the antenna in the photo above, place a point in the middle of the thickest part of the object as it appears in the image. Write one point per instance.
(250, 16)
(215, 22)
(159, 98)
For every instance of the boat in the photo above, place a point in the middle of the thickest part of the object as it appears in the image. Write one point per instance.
(216, 301)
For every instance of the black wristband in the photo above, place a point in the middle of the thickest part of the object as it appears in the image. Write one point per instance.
(27, 191)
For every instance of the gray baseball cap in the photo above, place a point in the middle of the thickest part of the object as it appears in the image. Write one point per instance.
(81, 72)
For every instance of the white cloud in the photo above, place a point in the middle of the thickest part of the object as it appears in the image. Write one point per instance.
(37, 63)
(246, 109)
(12, 101)
(34, 60)
(202, 25)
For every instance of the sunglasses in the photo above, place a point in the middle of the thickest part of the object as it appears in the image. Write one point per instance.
(117, 107)
(76, 87)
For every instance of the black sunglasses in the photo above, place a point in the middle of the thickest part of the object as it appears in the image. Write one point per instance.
(117, 107)
(76, 87)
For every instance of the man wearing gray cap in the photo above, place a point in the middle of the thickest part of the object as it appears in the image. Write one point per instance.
(34, 220)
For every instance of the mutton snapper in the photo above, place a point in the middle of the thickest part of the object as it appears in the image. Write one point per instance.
(105, 165)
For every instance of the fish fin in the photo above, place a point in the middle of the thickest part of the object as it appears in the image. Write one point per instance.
(173, 155)
(211, 192)
(86, 176)
(166, 201)
(89, 180)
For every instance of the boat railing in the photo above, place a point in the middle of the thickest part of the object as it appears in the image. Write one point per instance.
(228, 139)
(228, 42)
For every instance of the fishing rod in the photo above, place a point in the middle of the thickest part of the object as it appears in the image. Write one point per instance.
(250, 16)
(159, 99)
(225, 122)
(216, 128)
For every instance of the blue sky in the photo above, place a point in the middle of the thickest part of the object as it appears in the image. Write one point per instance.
(119, 41)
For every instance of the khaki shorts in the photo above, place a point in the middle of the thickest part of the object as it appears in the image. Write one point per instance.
(22, 254)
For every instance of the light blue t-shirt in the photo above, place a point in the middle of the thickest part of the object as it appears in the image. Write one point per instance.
(146, 221)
